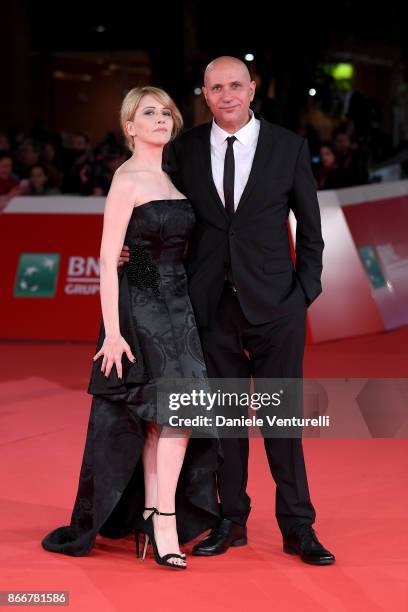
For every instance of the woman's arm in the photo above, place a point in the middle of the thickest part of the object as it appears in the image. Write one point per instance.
(118, 209)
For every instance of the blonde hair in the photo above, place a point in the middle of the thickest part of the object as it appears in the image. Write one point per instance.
(132, 101)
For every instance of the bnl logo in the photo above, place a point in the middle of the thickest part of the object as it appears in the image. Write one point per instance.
(37, 275)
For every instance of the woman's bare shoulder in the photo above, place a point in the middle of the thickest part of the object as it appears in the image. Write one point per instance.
(128, 170)
(131, 177)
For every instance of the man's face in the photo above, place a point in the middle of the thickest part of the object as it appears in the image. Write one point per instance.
(228, 91)
(327, 157)
(342, 143)
(28, 154)
(79, 143)
(38, 177)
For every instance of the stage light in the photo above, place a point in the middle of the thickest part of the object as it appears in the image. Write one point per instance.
(342, 71)
(100, 29)
(249, 57)
(312, 91)
(197, 91)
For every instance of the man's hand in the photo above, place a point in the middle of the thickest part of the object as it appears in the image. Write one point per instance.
(124, 255)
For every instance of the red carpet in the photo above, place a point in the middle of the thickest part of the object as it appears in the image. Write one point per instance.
(358, 488)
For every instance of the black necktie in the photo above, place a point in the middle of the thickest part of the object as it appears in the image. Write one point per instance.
(229, 176)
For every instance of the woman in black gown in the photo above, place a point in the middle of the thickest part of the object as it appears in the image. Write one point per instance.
(136, 470)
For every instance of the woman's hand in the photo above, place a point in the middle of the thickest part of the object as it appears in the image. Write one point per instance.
(124, 255)
(112, 350)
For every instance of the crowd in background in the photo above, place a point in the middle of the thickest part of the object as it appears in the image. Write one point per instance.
(341, 161)
(44, 163)
(49, 164)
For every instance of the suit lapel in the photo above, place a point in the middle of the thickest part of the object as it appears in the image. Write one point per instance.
(261, 157)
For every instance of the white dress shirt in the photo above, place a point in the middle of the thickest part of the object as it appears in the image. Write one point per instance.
(244, 151)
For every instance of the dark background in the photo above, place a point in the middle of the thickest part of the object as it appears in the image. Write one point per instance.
(66, 67)
(288, 39)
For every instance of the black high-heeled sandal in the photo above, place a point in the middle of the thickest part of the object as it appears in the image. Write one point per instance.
(139, 529)
(150, 535)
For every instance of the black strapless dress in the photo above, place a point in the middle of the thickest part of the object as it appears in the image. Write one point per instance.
(157, 320)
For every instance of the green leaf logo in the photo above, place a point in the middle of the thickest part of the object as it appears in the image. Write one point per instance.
(37, 275)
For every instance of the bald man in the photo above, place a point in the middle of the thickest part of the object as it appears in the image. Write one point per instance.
(243, 176)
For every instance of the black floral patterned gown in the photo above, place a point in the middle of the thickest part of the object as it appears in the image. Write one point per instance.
(157, 320)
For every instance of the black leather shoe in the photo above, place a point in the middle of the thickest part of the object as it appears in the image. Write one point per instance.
(226, 534)
(304, 542)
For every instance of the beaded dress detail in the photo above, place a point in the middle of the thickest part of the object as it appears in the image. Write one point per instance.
(142, 271)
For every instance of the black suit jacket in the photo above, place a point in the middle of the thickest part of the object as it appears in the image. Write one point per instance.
(255, 240)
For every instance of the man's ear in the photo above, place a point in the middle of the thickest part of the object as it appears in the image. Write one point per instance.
(204, 90)
(253, 88)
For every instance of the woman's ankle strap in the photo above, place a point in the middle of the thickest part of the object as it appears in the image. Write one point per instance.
(164, 513)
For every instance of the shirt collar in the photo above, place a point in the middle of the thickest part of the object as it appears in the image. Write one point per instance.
(245, 135)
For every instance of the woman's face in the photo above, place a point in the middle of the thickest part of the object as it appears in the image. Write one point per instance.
(38, 177)
(49, 152)
(327, 156)
(6, 168)
(4, 143)
(152, 123)
(28, 155)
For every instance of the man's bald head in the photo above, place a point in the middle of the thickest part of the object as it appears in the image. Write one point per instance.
(229, 91)
(225, 62)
